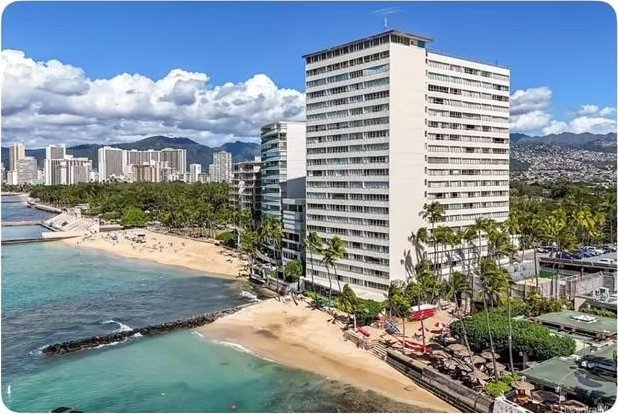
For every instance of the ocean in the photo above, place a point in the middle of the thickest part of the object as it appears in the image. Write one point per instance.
(52, 293)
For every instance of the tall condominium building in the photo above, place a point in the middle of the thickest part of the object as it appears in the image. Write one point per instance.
(137, 157)
(391, 126)
(16, 152)
(147, 172)
(245, 188)
(67, 171)
(283, 169)
(293, 228)
(112, 163)
(176, 159)
(52, 174)
(27, 171)
(195, 171)
(77, 170)
(221, 167)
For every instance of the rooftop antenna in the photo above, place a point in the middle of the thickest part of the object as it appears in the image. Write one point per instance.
(385, 12)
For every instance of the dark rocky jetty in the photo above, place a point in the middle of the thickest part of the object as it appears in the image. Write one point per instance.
(100, 340)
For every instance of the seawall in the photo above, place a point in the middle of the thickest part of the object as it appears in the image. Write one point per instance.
(151, 330)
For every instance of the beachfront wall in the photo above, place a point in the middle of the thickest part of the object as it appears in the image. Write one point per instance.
(453, 392)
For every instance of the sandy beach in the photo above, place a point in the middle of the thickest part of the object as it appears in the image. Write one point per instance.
(166, 249)
(301, 337)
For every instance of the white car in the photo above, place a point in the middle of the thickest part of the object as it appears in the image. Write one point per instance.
(606, 261)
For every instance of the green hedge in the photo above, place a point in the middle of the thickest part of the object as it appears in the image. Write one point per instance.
(534, 340)
(227, 238)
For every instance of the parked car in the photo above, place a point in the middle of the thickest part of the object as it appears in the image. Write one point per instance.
(584, 253)
(594, 250)
(564, 255)
(609, 248)
(545, 249)
(606, 261)
(576, 255)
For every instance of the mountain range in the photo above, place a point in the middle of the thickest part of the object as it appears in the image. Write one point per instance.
(585, 141)
(241, 151)
(196, 153)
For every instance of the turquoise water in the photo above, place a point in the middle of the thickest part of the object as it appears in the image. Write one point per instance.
(52, 293)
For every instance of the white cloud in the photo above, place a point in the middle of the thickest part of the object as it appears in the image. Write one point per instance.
(51, 102)
(607, 111)
(595, 125)
(529, 121)
(529, 115)
(588, 110)
(555, 127)
(527, 100)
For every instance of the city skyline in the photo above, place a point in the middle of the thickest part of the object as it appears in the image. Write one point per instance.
(125, 98)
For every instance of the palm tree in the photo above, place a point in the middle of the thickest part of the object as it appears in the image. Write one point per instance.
(457, 288)
(442, 236)
(399, 304)
(349, 302)
(487, 270)
(294, 271)
(434, 213)
(272, 233)
(314, 244)
(332, 251)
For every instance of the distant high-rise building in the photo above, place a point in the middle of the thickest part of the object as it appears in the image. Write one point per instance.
(245, 188)
(176, 158)
(112, 163)
(283, 165)
(392, 126)
(147, 172)
(16, 152)
(77, 170)
(27, 171)
(52, 172)
(221, 167)
(196, 170)
(67, 171)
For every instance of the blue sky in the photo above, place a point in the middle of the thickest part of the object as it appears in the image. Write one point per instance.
(567, 48)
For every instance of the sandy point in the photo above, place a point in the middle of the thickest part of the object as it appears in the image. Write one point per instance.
(305, 338)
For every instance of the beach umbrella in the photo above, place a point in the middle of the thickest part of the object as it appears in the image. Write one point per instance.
(487, 355)
(522, 385)
(440, 354)
(463, 352)
(478, 375)
(465, 367)
(490, 366)
(456, 347)
(476, 359)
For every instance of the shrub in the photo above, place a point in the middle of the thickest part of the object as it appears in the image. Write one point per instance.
(227, 238)
(133, 217)
(536, 341)
(497, 388)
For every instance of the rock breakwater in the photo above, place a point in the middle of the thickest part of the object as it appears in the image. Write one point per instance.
(151, 330)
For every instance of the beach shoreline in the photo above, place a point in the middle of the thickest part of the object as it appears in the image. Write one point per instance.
(304, 338)
(165, 249)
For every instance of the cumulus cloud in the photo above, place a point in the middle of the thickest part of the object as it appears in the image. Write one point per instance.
(52, 102)
(588, 110)
(530, 121)
(529, 114)
(528, 100)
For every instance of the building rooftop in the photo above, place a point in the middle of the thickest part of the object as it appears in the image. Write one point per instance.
(376, 36)
(566, 373)
(598, 325)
